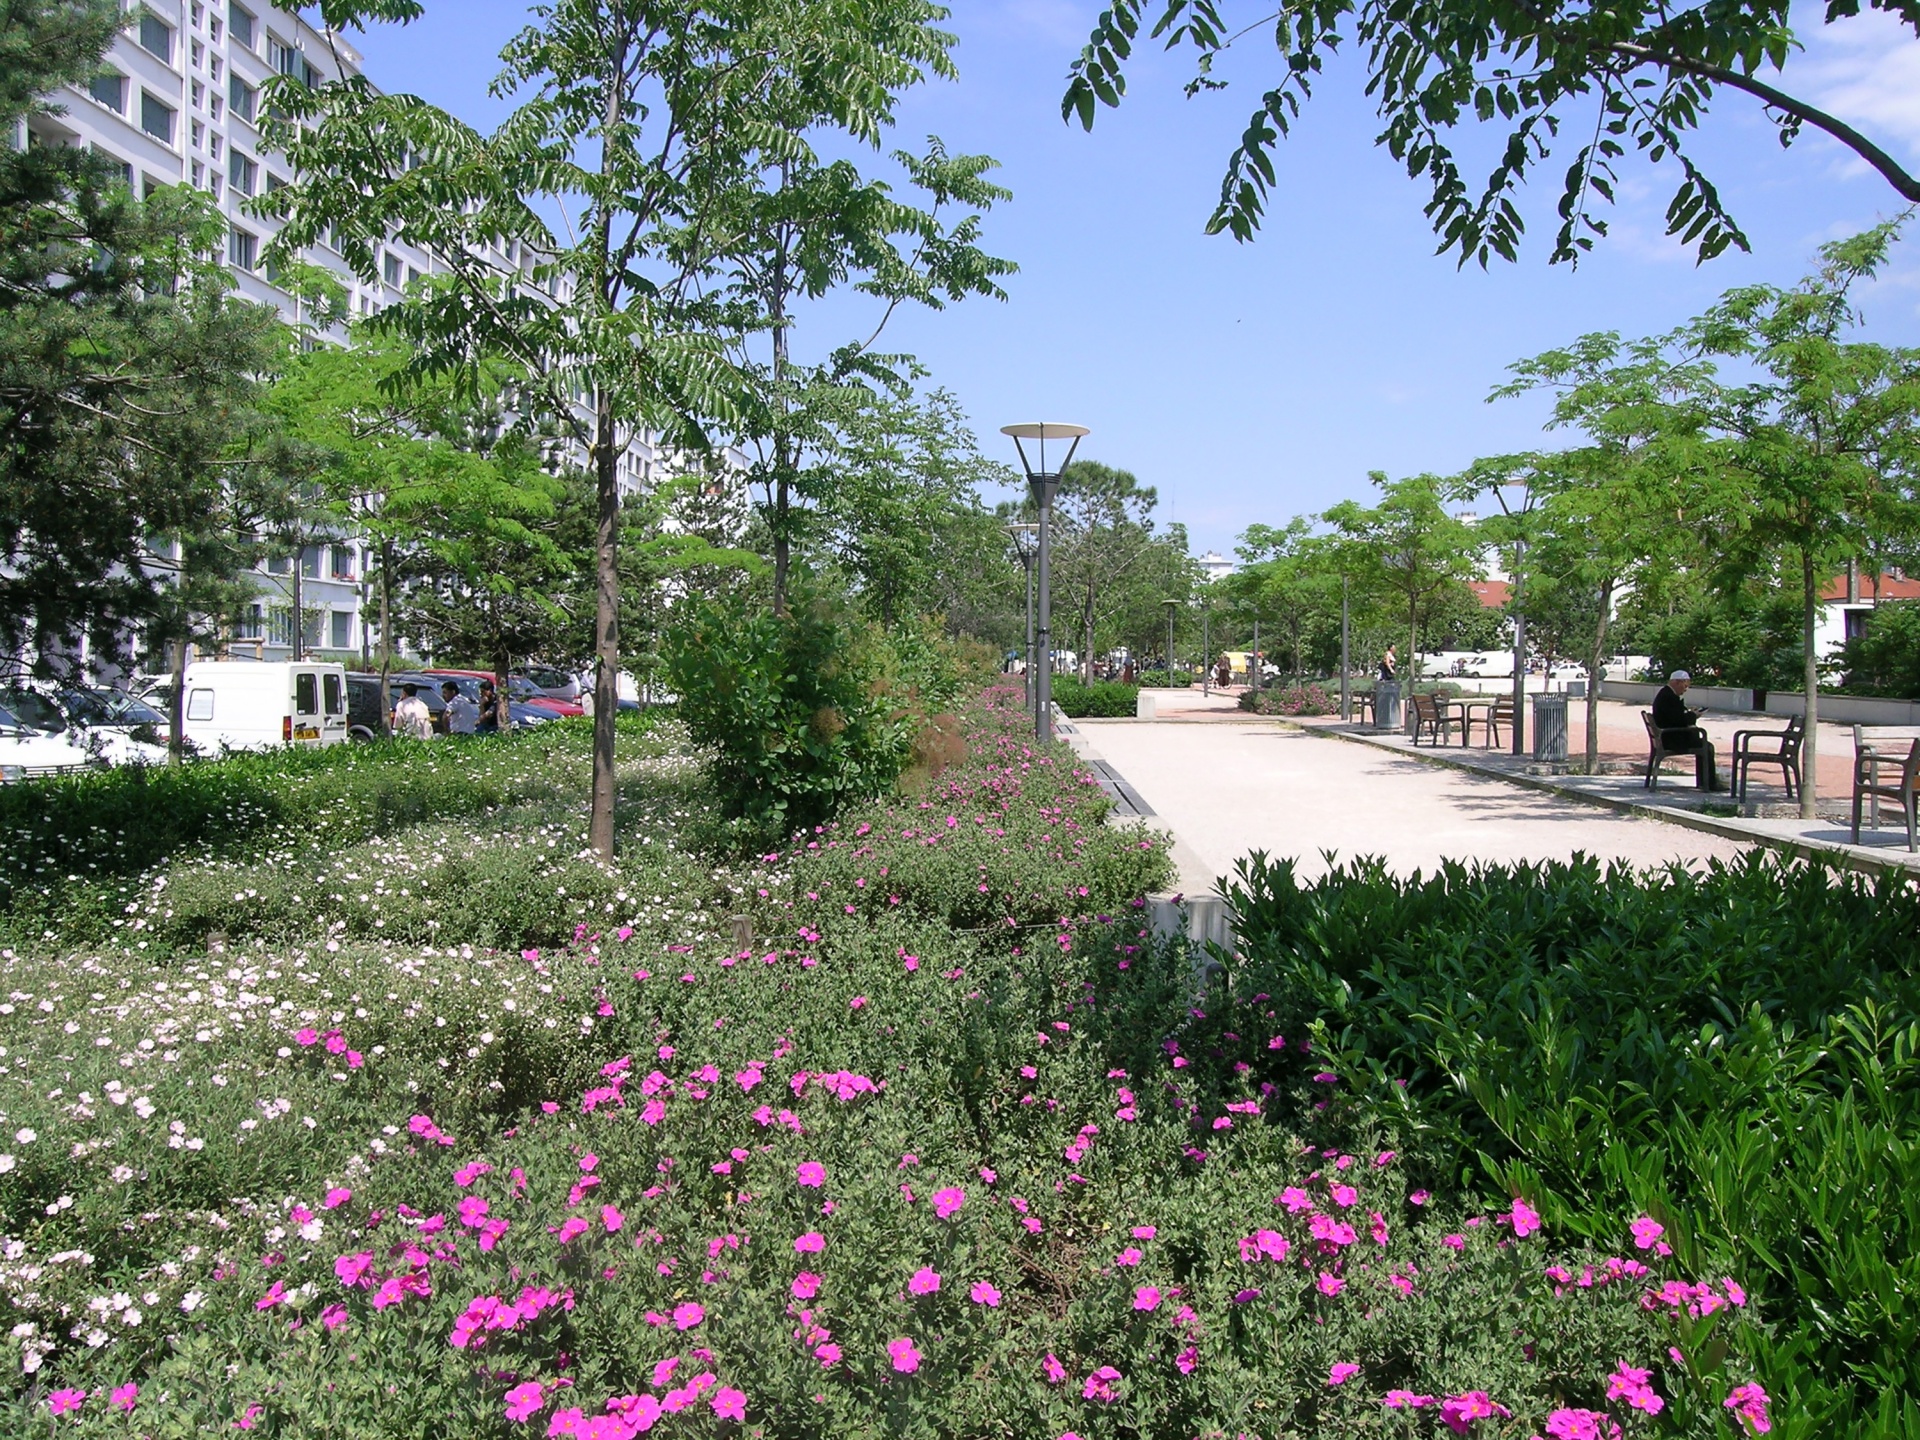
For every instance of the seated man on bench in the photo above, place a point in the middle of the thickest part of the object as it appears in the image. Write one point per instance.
(1680, 732)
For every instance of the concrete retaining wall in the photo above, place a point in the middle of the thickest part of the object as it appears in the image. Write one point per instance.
(1835, 709)
(1707, 697)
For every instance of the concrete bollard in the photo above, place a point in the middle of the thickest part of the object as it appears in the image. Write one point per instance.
(1146, 706)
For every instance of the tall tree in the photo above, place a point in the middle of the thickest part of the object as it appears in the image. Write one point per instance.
(646, 119)
(125, 367)
(1643, 73)
(1104, 539)
(1408, 547)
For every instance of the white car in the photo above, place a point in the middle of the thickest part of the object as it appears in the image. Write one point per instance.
(98, 720)
(26, 754)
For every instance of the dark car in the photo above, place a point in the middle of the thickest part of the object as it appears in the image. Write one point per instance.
(523, 715)
(367, 715)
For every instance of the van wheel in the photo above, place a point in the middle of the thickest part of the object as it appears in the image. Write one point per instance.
(360, 735)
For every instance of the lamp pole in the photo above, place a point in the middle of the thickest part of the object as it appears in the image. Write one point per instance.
(1206, 647)
(1346, 667)
(1044, 484)
(1170, 604)
(1519, 615)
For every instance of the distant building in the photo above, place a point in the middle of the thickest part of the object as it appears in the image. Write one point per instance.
(1216, 566)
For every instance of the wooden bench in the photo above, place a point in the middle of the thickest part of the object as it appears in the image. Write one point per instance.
(1658, 754)
(1886, 766)
(1436, 716)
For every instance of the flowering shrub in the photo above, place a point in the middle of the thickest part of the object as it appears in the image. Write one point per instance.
(1310, 699)
(920, 1159)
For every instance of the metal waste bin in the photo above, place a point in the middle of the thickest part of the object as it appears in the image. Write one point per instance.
(1549, 727)
(1386, 705)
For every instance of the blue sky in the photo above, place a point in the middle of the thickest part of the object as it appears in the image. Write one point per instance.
(1251, 383)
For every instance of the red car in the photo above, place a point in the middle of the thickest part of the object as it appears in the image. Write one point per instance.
(518, 688)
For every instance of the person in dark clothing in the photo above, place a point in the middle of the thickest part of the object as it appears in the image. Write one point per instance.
(1680, 732)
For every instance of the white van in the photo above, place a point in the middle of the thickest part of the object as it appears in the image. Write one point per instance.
(254, 705)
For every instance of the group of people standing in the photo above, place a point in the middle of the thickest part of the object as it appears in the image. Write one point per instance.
(413, 718)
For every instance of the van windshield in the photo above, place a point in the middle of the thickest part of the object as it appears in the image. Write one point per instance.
(336, 702)
(306, 694)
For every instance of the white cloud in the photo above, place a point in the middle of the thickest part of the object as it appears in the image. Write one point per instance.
(1865, 70)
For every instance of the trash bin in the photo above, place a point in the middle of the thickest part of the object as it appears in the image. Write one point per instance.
(1549, 727)
(1386, 705)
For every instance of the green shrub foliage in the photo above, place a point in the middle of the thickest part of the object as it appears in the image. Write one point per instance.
(1104, 699)
(801, 714)
(1734, 1052)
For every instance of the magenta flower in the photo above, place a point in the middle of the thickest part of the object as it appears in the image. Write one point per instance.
(125, 1397)
(1646, 1231)
(336, 1197)
(1419, 1197)
(811, 1174)
(524, 1401)
(1099, 1385)
(983, 1293)
(1329, 1284)
(828, 1355)
(947, 1202)
(1460, 1411)
(805, 1285)
(566, 1422)
(61, 1401)
(1632, 1384)
(1342, 1372)
(1144, 1232)
(1129, 1256)
(729, 1404)
(276, 1293)
(1188, 1360)
(1146, 1297)
(333, 1316)
(1055, 1371)
(925, 1281)
(904, 1355)
(1582, 1425)
(248, 1416)
(688, 1315)
(1524, 1218)
(811, 1243)
(1406, 1400)
(1749, 1403)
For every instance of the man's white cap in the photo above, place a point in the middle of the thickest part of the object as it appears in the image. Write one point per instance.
(1679, 675)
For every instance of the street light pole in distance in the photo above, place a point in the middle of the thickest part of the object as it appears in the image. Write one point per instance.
(1044, 484)
(1023, 533)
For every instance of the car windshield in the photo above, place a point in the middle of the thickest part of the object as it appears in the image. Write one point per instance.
(34, 709)
(112, 707)
(8, 720)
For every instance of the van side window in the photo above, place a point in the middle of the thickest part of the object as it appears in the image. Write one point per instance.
(200, 705)
(336, 702)
(306, 695)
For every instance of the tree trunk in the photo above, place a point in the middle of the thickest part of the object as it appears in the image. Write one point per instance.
(1810, 747)
(386, 622)
(177, 711)
(606, 596)
(783, 452)
(1596, 668)
(298, 639)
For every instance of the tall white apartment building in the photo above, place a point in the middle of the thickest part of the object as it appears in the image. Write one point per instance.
(178, 102)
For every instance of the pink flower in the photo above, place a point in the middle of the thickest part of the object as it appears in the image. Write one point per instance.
(903, 1354)
(1582, 1425)
(1749, 1403)
(1524, 1218)
(828, 1355)
(1419, 1197)
(1406, 1400)
(248, 1416)
(1329, 1284)
(688, 1315)
(729, 1404)
(566, 1422)
(1646, 1231)
(1146, 1297)
(1454, 1241)
(925, 1281)
(1144, 1232)
(1055, 1371)
(1099, 1385)
(333, 1316)
(1129, 1256)
(61, 1401)
(983, 1293)
(1342, 1372)
(1631, 1384)
(611, 1218)
(125, 1397)
(811, 1243)
(336, 1197)
(1188, 1360)
(947, 1202)
(811, 1174)
(1460, 1411)
(276, 1293)
(523, 1401)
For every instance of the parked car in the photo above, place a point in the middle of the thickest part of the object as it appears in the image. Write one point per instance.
(520, 691)
(468, 684)
(256, 705)
(30, 754)
(109, 724)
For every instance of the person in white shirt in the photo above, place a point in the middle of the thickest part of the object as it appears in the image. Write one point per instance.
(412, 719)
(462, 713)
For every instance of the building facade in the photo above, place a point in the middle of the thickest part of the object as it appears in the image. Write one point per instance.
(179, 102)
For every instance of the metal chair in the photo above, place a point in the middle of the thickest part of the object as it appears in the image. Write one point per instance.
(1785, 753)
(1657, 753)
(1490, 718)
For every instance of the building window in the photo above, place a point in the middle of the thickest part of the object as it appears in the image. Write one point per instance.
(240, 21)
(275, 182)
(279, 565)
(242, 174)
(390, 268)
(241, 97)
(280, 626)
(310, 562)
(243, 250)
(156, 37)
(248, 625)
(109, 87)
(342, 635)
(156, 118)
(343, 562)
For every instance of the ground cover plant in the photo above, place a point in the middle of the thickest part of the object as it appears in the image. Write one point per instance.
(1733, 1052)
(1103, 699)
(1309, 699)
(948, 1147)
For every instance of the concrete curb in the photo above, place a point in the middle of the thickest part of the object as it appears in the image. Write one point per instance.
(1843, 857)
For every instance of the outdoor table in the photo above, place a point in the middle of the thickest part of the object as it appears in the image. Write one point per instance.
(1467, 709)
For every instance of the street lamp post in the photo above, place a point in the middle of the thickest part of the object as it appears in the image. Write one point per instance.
(1022, 533)
(1346, 667)
(1520, 514)
(1171, 605)
(1206, 647)
(1044, 484)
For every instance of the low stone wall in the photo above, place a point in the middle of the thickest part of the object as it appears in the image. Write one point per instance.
(1704, 697)
(1834, 709)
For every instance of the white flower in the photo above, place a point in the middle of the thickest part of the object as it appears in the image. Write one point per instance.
(190, 1302)
(24, 1136)
(6, 1163)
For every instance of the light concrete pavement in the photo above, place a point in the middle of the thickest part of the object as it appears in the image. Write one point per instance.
(1227, 788)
